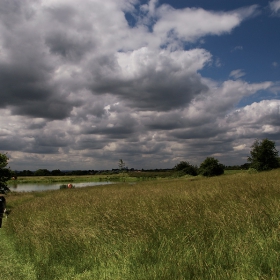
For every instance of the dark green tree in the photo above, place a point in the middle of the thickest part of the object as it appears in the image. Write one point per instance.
(211, 167)
(42, 172)
(263, 155)
(26, 173)
(186, 168)
(5, 174)
(56, 172)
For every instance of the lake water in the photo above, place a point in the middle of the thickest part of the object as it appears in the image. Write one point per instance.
(46, 187)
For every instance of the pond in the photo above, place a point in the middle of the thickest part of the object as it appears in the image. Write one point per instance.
(53, 186)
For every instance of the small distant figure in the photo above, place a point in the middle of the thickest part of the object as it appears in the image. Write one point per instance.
(2, 208)
(70, 186)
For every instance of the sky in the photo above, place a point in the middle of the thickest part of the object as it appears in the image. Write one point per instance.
(150, 82)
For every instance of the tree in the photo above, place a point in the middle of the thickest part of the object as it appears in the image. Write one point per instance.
(5, 174)
(186, 168)
(211, 167)
(121, 164)
(26, 173)
(263, 155)
(122, 167)
(42, 172)
(56, 172)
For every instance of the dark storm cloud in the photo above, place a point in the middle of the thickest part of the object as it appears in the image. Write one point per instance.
(144, 148)
(37, 149)
(42, 143)
(53, 139)
(156, 81)
(117, 132)
(156, 91)
(89, 142)
(80, 87)
(169, 94)
(27, 84)
(200, 132)
(119, 128)
(48, 142)
(37, 125)
(67, 46)
(12, 143)
(97, 109)
(72, 38)
(51, 109)
(164, 125)
(23, 80)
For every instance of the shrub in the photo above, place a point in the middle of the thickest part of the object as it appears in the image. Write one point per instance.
(68, 186)
(185, 167)
(211, 167)
(5, 174)
(252, 171)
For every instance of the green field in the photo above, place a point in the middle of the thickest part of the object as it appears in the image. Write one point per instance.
(225, 227)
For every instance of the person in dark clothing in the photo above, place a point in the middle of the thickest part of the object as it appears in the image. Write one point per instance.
(2, 208)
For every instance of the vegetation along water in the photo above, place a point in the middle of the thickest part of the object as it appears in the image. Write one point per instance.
(225, 227)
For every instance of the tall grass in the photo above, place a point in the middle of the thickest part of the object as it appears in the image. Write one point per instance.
(209, 228)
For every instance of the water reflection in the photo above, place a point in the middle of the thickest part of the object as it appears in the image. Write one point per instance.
(47, 187)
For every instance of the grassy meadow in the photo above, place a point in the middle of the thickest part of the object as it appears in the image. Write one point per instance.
(225, 227)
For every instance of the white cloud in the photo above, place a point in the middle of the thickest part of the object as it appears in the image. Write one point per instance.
(192, 23)
(220, 99)
(237, 48)
(239, 147)
(236, 74)
(275, 6)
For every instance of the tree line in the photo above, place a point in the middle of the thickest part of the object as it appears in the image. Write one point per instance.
(56, 172)
(263, 156)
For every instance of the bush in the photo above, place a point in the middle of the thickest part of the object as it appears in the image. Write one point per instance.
(252, 171)
(5, 174)
(211, 167)
(185, 168)
(68, 186)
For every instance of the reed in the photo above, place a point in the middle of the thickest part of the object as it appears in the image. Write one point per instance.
(225, 227)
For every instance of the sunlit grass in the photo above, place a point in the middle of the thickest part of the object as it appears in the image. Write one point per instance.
(225, 227)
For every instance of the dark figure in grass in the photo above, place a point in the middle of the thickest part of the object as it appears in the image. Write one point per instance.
(2, 208)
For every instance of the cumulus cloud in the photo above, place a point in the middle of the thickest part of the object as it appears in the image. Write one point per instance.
(173, 26)
(81, 82)
(154, 80)
(51, 50)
